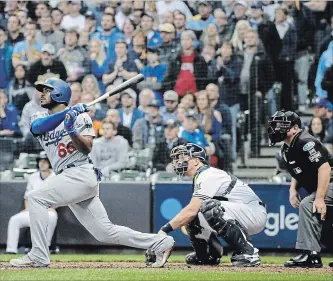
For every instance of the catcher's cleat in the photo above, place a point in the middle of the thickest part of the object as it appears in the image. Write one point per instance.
(305, 260)
(192, 259)
(159, 259)
(25, 261)
(245, 259)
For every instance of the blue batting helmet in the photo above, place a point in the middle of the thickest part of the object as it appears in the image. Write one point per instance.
(181, 154)
(61, 92)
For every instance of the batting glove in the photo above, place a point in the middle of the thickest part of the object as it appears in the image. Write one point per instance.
(161, 232)
(80, 108)
(69, 123)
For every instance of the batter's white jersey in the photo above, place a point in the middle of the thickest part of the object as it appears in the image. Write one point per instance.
(35, 181)
(58, 144)
(214, 182)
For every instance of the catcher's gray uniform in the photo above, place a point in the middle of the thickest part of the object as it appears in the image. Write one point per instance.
(76, 186)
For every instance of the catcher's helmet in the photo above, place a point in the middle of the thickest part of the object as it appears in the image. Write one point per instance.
(42, 156)
(181, 154)
(280, 124)
(61, 92)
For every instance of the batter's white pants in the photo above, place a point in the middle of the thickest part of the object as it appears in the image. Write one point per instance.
(21, 220)
(251, 216)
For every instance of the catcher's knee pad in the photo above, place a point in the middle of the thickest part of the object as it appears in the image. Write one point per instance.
(213, 212)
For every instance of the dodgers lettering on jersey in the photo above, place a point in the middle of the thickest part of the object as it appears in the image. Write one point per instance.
(214, 182)
(35, 181)
(58, 144)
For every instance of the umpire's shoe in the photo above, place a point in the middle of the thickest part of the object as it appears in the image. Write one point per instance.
(192, 259)
(25, 261)
(246, 259)
(305, 260)
(154, 259)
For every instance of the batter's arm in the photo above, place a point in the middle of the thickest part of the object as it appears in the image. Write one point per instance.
(45, 124)
(82, 143)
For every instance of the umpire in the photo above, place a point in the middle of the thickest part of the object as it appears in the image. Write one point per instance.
(309, 164)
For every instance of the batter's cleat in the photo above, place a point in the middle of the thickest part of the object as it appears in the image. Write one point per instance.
(192, 259)
(245, 259)
(25, 261)
(305, 260)
(159, 259)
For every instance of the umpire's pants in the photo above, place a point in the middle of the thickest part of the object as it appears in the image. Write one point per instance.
(310, 224)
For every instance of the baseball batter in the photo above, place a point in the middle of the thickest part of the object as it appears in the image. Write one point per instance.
(221, 205)
(66, 134)
(22, 219)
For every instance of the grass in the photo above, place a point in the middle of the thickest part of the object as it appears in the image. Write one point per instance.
(181, 273)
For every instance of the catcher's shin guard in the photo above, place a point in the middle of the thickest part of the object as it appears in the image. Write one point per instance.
(230, 230)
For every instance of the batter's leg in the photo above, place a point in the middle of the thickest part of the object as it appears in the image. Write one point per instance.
(16, 222)
(53, 218)
(92, 215)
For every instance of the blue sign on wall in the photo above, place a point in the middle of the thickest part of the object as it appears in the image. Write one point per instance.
(282, 220)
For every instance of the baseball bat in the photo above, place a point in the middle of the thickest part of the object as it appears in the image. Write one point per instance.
(123, 86)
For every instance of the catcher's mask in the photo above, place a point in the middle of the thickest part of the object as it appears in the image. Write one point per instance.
(182, 154)
(280, 124)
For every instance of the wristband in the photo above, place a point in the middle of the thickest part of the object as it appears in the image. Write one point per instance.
(73, 133)
(167, 228)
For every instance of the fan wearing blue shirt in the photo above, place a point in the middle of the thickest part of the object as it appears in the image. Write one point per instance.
(9, 118)
(154, 38)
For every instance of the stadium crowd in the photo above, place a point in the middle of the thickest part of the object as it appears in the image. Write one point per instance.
(204, 62)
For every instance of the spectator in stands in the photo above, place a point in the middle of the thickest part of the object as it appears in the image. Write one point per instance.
(192, 133)
(210, 37)
(123, 13)
(137, 14)
(171, 6)
(266, 29)
(154, 73)
(137, 51)
(10, 9)
(286, 59)
(238, 13)
(109, 152)
(189, 70)
(145, 96)
(154, 39)
(6, 52)
(9, 118)
(87, 98)
(23, 17)
(46, 34)
(325, 62)
(42, 10)
(20, 91)
(73, 57)
(327, 83)
(14, 31)
(128, 31)
(57, 16)
(169, 111)
(256, 79)
(109, 36)
(76, 93)
(170, 48)
(201, 21)
(209, 54)
(112, 102)
(30, 109)
(98, 61)
(223, 27)
(179, 21)
(123, 68)
(181, 112)
(269, 7)
(167, 17)
(113, 116)
(237, 39)
(317, 128)
(74, 20)
(90, 85)
(90, 27)
(210, 119)
(47, 66)
(128, 112)
(188, 101)
(161, 155)
(322, 107)
(22, 219)
(326, 41)
(148, 130)
(28, 51)
(304, 22)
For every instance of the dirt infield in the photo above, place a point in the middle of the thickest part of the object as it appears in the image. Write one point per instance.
(170, 266)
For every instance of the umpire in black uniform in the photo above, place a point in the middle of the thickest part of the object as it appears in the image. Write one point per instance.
(309, 164)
